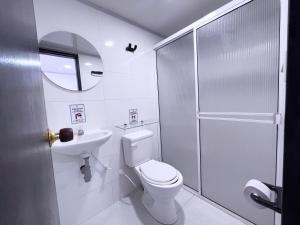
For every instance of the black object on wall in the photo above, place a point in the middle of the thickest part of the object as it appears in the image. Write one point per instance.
(129, 48)
(96, 73)
(291, 171)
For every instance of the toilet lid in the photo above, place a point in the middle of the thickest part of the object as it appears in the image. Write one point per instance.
(158, 172)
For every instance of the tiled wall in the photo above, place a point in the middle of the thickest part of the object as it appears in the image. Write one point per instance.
(129, 82)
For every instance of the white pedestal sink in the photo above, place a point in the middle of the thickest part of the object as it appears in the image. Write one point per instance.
(83, 145)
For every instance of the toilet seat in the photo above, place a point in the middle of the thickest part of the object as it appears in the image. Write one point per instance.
(158, 173)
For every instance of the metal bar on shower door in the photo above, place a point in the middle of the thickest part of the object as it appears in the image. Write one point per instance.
(236, 114)
(275, 118)
(275, 122)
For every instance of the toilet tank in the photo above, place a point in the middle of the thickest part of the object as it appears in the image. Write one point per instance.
(137, 147)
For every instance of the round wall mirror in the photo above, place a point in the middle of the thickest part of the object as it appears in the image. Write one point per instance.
(70, 61)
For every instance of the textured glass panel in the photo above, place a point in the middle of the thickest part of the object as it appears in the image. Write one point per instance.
(176, 81)
(238, 72)
(231, 154)
(238, 60)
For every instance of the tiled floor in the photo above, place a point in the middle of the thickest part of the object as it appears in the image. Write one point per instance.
(191, 211)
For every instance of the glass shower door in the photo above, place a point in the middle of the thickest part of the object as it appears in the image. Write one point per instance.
(177, 107)
(238, 99)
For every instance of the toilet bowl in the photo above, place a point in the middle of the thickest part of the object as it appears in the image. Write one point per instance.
(161, 184)
(161, 181)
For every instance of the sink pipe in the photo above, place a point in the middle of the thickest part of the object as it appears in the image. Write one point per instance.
(86, 169)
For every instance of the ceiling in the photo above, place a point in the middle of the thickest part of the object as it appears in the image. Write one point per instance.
(163, 17)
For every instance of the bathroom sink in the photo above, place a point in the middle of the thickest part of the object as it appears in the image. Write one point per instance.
(83, 145)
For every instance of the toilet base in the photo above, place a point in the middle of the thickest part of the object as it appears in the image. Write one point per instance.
(163, 210)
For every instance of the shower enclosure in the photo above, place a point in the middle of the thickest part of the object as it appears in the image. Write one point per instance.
(177, 103)
(219, 86)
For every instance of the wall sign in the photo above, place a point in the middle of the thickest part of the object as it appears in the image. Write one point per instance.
(133, 116)
(77, 113)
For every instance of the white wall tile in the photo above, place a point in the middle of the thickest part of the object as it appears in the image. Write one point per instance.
(58, 114)
(55, 93)
(129, 82)
(82, 207)
(118, 109)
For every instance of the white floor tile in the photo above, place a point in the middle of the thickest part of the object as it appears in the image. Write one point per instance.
(193, 211)
(182, 198)
(199, 212)
(128, 211)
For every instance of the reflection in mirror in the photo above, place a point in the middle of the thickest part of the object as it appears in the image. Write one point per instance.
(70, 61)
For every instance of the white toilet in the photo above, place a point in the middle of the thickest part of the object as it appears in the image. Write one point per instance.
(161, 181)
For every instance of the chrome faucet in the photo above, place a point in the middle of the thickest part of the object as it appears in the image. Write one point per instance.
(80, 132)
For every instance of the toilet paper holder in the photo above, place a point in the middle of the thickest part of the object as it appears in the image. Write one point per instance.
(276, 205)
